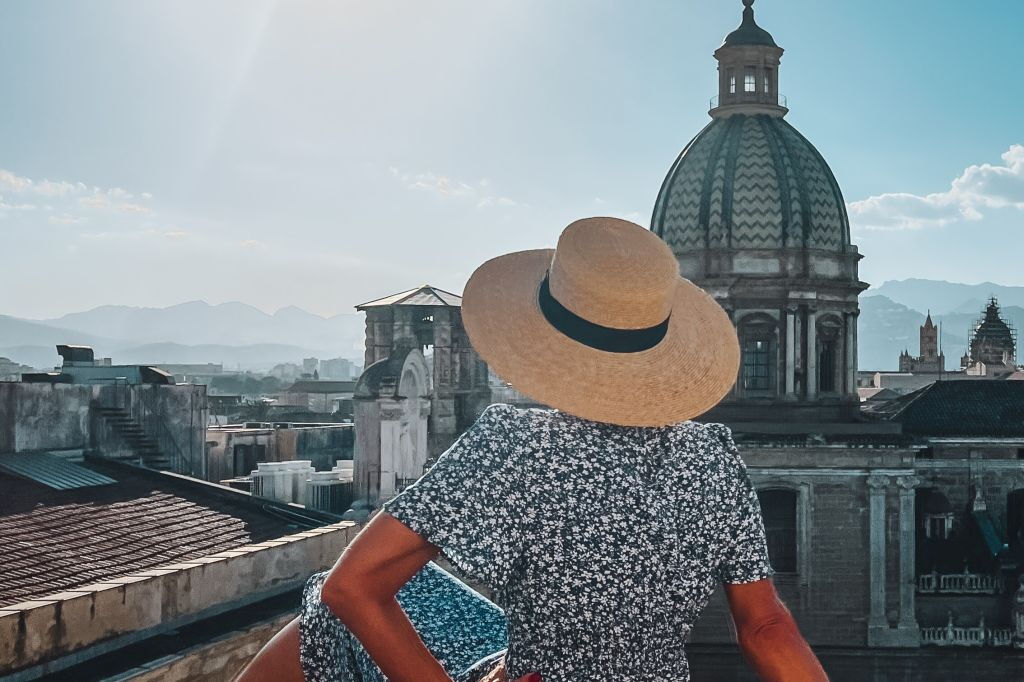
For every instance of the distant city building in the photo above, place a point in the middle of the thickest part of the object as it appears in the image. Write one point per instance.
(339, 369)
(81, 367)
(930, 358)
(992, 349)
(195, 373)
(325, 397)
(310, 365)
(12, 371)
(287, 371)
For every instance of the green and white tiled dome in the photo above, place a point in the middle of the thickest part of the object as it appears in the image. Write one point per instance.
(751, 181)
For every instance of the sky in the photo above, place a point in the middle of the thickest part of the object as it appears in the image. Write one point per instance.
(325, 153)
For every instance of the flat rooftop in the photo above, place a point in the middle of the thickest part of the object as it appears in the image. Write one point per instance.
(57, 540)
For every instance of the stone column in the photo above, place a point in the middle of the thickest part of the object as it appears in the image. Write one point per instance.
(812, 354)
(851, 357)
(878, 625)
(909, 633)
(790, 351)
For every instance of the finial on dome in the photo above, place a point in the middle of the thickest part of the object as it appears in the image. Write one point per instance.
(749, 33)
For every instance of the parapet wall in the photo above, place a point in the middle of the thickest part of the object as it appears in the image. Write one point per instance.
(47, 634)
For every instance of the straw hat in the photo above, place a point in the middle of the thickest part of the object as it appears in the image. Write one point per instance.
(603, 327)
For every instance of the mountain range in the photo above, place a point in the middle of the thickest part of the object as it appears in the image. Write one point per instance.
(238, 335)
(241, 336)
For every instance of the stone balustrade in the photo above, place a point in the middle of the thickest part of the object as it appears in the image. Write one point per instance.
(952, 635)
(960, 583)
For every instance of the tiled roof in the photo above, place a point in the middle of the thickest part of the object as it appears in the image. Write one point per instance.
(53, 541)
(424, 295)
(983, 407)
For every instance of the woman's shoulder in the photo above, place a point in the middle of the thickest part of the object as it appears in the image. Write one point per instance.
(515, 417)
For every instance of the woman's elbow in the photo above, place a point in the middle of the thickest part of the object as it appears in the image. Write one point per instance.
(768, 633)
(345, 594)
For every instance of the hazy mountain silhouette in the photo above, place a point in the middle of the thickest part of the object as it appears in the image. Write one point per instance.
(234, 324)
(943, 297)
(237, 334)
(234, 334)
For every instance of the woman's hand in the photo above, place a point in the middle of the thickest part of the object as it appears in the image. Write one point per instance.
(498, 675)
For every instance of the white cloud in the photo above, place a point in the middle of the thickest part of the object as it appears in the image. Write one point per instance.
(978, 187)
(72, 201)
(64, 219)
(6, 206)
(478, 193)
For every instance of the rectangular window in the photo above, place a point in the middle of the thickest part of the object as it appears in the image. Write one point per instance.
(767, 81)
(732, 82)
(750, 83)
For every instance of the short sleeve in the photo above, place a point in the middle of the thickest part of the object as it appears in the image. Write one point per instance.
(471, 503)
(745, 557)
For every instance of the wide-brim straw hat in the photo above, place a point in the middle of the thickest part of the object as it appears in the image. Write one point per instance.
(603, 327)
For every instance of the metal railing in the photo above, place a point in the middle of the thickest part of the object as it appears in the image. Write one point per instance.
(769, 98)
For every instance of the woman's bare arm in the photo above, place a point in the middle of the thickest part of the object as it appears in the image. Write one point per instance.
(769, 637)
(361, 590)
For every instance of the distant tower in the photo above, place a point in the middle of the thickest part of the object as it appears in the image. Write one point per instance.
(992, 349)
(930, 359)
(430, 320)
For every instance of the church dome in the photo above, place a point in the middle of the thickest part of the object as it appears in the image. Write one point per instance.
(992, 340)
(751, 181)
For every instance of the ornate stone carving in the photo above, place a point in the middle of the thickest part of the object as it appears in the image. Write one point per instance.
(878, 482)
(908, 482)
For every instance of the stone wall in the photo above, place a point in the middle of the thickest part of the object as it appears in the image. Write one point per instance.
(103, 616)
(44, 417)
(830, 592)
(216, 661)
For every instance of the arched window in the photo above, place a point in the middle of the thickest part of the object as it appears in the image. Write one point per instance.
(828, 354)
(778, 507)
(757, 333)
(826, 365)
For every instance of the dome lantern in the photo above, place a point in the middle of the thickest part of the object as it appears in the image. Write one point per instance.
(748, 71)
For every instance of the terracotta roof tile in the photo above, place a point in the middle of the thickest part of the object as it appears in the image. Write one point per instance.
(59, 540)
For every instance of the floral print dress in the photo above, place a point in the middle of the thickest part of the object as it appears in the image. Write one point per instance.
(602, 544)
